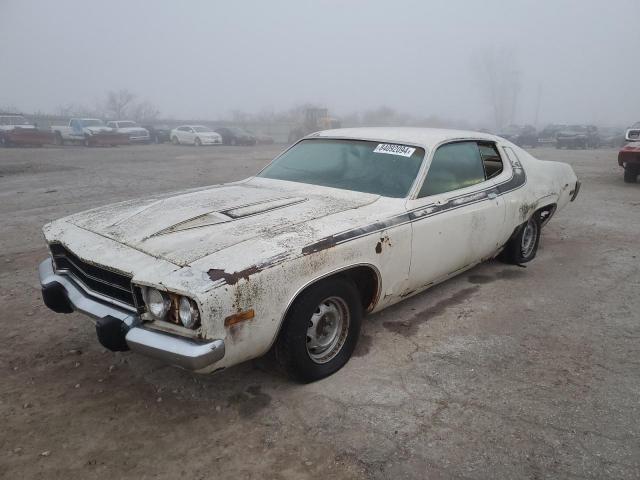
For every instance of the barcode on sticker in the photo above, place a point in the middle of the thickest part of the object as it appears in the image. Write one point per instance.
(392, 149)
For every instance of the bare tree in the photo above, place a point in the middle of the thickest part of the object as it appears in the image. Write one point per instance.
(499, 79)
(144, 111)
(118, 103)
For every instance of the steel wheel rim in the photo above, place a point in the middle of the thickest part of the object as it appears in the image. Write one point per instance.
(528, 238)
(328, 329)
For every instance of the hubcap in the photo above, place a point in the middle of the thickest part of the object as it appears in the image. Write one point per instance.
(328, 328)
(529, 238)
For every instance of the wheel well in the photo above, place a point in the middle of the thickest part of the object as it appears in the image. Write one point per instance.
(546, 213)
(366, 279)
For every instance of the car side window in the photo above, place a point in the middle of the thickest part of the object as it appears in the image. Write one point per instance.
(454, 166)
(490, 159)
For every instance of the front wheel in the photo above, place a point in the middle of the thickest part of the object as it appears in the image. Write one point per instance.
(320, 330)
(523, 245)
(197, 142)
(175, 141)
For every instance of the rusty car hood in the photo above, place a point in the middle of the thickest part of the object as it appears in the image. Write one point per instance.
(182, 228)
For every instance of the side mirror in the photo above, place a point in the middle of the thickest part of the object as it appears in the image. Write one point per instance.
(632, 135)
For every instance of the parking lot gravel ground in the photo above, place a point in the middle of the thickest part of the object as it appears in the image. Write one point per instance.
(500, 373)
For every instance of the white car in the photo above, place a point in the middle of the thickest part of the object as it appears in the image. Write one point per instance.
(197, 135)
(136, 133)
(344, 223)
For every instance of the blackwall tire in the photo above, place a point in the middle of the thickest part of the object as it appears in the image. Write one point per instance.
(320, 331)
(630, 174)
(523, 245)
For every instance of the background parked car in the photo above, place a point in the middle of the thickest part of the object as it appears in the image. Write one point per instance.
(236, 136)
(578, 136)
(90, 131)
(549, 133)
(195, 135)
(159, 133)
(263, 138)
(526, 136)
(135, 132)
(17, 130)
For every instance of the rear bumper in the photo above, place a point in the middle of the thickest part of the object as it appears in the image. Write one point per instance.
(122, 329)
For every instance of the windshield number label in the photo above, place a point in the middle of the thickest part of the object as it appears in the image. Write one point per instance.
(391, 149)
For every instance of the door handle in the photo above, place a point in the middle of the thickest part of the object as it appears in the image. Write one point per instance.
(492, 195)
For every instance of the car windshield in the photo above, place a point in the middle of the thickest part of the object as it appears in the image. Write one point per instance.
(127, 124)
(358, 165)
(202, 129)
(92, 122)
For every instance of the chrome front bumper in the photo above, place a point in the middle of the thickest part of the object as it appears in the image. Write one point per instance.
(62, 294)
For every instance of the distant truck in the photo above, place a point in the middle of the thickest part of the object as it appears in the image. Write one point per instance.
(629, 154)
(135, 132)
(17, 130)
(88, 131)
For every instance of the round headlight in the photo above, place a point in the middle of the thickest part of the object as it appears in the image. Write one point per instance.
(188, 311)
(157, 302)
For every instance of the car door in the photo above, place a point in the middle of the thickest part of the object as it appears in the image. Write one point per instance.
(190, 135)
(458, 217)
(76, 128)
(183, 135)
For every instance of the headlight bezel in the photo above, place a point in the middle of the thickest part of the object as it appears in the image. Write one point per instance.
(173, 308)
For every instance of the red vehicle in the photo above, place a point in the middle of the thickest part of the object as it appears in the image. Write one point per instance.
(629, 155)
(16, 130)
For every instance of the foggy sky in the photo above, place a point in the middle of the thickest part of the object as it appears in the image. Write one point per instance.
(204, 59)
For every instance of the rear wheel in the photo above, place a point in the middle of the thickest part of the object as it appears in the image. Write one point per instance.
(523, 245)
(630, 174)
(175, 141)
(321, 330)
(197, 142)
(87, 141)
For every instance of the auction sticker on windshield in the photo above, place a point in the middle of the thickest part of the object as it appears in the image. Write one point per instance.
(391, 149)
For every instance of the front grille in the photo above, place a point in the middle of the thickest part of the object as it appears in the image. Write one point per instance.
(97, 279)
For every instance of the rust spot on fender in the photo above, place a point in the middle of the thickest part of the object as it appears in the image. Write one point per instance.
(216, 274)
(381, 242)
(233, 278)
(526, 209)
